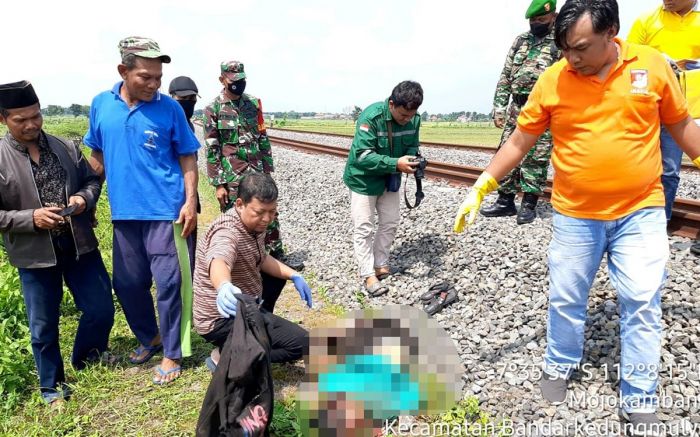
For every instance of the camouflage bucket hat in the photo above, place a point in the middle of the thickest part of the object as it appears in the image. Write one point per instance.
(143, 47)
(233, 70)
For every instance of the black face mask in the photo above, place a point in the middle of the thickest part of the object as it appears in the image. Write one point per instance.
(237, 87)
(188, 107)
(539, 29)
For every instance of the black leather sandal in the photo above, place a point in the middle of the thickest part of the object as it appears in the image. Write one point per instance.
(440, 301)
(433, 291)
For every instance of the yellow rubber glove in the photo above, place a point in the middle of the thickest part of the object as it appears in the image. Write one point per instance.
(696, 161)
(483, 186)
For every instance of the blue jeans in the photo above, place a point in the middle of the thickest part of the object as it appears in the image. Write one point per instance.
(671, 157)
(637, 250)
(90, 286)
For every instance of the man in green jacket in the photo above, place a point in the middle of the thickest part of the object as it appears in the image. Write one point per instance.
(385, 144)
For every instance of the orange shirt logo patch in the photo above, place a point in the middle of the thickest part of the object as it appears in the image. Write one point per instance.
(640, 81)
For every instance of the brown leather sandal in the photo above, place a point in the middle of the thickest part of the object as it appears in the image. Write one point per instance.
(376, 289)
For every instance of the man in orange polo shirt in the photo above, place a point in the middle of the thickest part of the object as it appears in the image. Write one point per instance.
(604, 104)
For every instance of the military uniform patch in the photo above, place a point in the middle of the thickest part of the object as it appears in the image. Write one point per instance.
(364, 127)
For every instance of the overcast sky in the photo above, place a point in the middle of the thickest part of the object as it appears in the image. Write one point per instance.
(302, 55)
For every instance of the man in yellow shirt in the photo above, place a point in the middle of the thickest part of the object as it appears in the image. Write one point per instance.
(604, 104)
(673, 29)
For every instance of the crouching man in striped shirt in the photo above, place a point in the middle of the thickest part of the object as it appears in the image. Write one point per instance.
(229, 260)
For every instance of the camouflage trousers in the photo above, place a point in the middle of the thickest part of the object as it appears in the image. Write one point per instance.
(273, 241)
(530, 176)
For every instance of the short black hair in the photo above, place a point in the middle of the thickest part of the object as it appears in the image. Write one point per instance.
(257, 185)
(604, 16)
(129, 60)
(407, 94)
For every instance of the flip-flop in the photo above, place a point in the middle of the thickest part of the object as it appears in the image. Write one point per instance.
(440, 301)
(434, 291)
(163, 374)
(376, 289)
(152, 350)
(392, 271)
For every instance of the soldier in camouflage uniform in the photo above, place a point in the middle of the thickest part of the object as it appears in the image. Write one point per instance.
(531, 53)
(237, 144)
(234, 133)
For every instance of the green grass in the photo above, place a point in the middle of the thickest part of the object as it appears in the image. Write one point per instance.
(473, 133)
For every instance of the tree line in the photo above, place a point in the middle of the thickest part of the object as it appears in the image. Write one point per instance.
(355, 111)
(74, 110)
(77, 110)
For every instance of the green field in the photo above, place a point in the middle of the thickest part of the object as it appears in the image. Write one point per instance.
(472, 133)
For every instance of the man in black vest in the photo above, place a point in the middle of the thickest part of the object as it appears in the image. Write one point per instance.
(46, 192)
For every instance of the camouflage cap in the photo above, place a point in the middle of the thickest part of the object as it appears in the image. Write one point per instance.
(233, 70)
(541, 7)
(143, 47)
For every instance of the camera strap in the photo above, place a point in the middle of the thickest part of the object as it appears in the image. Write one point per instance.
(419, 193)
(419, 183)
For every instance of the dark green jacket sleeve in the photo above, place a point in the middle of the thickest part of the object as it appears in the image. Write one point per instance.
(370, 157)
(413, 150)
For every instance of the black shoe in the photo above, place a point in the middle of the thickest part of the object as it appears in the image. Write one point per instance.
(440, 301)
(527, 212)
(292, 263)
(643, 424)
(504, 206)
(553, 388)
(695, 248)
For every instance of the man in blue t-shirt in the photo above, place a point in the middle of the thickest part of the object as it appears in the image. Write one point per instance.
(141, 142)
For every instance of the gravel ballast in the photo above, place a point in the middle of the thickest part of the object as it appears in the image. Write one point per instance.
(500, 272)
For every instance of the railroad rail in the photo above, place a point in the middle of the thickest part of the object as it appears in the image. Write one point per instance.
(686, 165)
(685, 221)
(471, 148)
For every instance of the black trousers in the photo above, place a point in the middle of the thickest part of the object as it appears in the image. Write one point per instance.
(288, 341)
(272, 288)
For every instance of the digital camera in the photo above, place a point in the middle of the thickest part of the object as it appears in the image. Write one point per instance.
(422, 163)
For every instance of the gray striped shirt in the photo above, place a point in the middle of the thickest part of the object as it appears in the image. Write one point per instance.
(226, 239)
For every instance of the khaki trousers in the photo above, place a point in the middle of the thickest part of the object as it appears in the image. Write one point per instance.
(372, 247)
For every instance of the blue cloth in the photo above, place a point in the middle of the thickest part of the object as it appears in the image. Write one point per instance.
(144, 251)
(671, 157)
(141, 148)
(637, 250)
(383, 386)
(42, 288)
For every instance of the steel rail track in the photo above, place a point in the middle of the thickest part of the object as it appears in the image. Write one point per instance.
(685, 220)
(472, 148)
